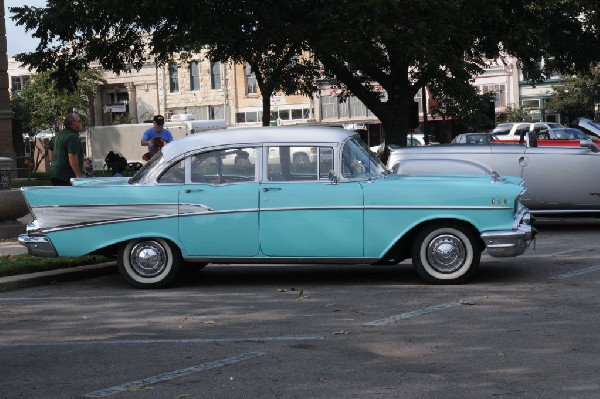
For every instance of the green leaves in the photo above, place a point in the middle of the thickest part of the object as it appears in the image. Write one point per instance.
(42, 104)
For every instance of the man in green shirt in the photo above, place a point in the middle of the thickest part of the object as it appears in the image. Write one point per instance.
(66, 152)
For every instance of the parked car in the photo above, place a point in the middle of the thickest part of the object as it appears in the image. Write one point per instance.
(474, 138)
(564, 133)
(559, 179)
(513, 130)
(563, 136)
(193, 203)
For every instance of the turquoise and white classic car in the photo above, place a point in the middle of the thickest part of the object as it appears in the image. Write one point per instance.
(241, 196)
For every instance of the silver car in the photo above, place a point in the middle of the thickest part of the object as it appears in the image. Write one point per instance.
(559, 179)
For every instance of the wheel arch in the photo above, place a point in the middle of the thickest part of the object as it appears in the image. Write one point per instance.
(401, 249)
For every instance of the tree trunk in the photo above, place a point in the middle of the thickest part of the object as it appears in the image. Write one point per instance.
(394, 117)
(266, 106)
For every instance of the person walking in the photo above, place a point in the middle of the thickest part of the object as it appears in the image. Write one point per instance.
(151, 136)
(66, 152)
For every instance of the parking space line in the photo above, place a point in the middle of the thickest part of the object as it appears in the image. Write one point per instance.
(577, 272)
(165, 341)
(173, 374)
(419, 312)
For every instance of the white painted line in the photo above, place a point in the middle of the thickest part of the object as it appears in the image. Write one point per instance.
(418, 312)
(169, 376)
(577, 272)
(164, 341)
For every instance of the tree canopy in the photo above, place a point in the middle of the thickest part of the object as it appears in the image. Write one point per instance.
(42, 105)
(578, 96)
(399, 46)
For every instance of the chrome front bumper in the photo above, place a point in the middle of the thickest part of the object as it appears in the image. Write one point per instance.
(514, 242)
(38, 246)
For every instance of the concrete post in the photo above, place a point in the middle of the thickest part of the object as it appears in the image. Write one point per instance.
(6, 114)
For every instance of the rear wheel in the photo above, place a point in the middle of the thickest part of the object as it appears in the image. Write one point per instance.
(446, 254)
(149, 262)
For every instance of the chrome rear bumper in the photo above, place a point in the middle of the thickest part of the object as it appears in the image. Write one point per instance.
(38, 246)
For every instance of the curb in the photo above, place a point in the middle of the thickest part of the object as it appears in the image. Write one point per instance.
(10, 283)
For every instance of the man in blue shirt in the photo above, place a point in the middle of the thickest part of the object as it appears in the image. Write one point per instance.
(156, 131)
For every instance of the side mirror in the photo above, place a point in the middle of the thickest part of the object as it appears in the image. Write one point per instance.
(333, 177)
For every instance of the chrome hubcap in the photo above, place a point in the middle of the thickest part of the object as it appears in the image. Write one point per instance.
(148, 258)
(446, 253)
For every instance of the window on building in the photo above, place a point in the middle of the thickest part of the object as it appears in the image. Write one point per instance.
(298, 114)
(18, 82)
(216, 112)
(251, 85)
(173, 77)
(357, 108)
(215, 75)
(248, 117)
(532, 103)
(500, 93)
(194, 76)
(284, 114)
(329, 106)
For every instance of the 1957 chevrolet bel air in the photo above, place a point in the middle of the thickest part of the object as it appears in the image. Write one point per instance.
(240, 196)
(561, 176)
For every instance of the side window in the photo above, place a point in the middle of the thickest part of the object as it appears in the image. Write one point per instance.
(174, 175)
(522, 129)
(231, 165)
(291, 163)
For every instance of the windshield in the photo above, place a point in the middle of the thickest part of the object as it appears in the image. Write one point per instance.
(567, 134)
(358, 162)
(149, 172)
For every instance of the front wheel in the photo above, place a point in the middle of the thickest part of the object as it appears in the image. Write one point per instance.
(149, 262)
(446, 254)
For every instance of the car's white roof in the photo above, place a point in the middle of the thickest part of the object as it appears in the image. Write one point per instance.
(258, 135)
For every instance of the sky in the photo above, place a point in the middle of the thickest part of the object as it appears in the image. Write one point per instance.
(17, 39)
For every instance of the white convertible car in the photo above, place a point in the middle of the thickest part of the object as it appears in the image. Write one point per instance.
(561, 176)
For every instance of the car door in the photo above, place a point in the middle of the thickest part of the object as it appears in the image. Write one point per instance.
(304, 214)
(218, 205)
(563, 177)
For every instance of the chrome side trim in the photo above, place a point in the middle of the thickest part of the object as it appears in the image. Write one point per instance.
(379, 207)
(57, 218)
(274, 260)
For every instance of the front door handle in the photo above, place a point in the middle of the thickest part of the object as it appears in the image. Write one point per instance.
(265, 189)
